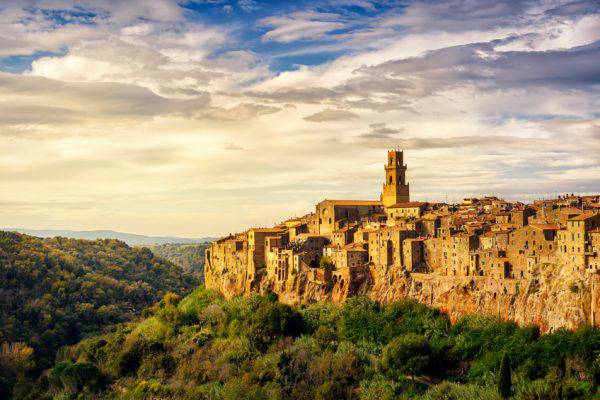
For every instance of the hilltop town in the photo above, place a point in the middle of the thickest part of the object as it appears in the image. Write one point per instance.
(533, 263)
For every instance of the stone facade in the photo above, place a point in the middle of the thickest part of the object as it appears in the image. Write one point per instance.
(482, 255)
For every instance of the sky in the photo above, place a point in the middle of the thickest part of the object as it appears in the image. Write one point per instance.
(198, 118)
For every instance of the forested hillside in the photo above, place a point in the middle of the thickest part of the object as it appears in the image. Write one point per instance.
(204, 347)
(190, 257)
(54, 292)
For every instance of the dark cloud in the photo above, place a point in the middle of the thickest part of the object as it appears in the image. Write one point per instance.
(394, 84)
(481, 63)
(381, 131)
(311, 95)
(575, 8)
(461, 15)
(330, 114)
(417, 143)
(240, 112)
(97, 100)
(19, 113)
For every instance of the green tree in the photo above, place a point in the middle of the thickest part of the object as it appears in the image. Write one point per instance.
(361, 320)
(74, 377)
(505, 383)
(325, 262)
(272, 320)
(406, 354)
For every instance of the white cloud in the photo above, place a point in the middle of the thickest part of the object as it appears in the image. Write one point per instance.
(307, 25)
(330, 114)
(147, 121)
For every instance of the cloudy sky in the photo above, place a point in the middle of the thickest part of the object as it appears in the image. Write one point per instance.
(205, 117)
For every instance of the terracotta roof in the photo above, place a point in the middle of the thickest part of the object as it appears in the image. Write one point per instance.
(546, 201)
(353, 202)
(597, 230)
(470, 212)
(409, 204)
(594, 205)
(354, 247)
(307, 235)
(266, 230)
(582, 217)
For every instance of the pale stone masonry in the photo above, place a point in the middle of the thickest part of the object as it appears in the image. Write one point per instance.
(345, 241)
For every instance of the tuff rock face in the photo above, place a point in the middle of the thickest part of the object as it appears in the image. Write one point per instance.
(553, 299)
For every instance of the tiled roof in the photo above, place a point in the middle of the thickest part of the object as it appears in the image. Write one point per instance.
(266, 230)
(582, 217)
(354, 247)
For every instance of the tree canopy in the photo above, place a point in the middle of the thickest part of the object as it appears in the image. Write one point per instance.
(206, 347)
(54, 292)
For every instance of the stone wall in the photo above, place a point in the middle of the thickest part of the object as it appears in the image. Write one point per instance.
(553, 298)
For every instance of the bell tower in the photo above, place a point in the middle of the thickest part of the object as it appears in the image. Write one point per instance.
(395, 188)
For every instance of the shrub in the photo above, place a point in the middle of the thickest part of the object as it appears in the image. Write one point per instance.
(505, 382)
(74, 377)
(406, 354)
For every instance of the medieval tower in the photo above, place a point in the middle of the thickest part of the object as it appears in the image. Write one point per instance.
(395, 188)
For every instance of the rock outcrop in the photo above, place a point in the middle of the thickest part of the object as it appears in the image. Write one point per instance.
(553, 299)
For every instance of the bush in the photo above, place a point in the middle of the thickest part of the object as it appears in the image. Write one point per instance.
(378, 388)
(273, 320)
(75, 377)
(361, 320)
(406, 354)
(453, 391)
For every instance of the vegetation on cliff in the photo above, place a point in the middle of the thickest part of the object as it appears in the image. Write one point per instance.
(54, 292)
(206, 347)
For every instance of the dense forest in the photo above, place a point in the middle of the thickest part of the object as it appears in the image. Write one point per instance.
(190, 257)
(205, 347)
(54, 292)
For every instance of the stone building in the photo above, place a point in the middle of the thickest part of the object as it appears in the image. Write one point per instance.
(336, 214)
(532, 242)
(395, 189)
(479, 239)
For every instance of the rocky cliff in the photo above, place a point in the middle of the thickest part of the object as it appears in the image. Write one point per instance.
(554, 298)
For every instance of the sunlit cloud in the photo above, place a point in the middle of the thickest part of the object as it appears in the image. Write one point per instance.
(203, 118)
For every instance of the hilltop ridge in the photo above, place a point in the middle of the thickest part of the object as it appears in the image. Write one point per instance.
(533, 263)
(129, 238)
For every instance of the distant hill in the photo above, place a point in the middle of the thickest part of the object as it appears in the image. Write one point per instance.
(129, 238)
(190, 257)
(56, 291)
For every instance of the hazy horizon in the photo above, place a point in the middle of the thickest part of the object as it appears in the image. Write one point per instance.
(200, 118)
